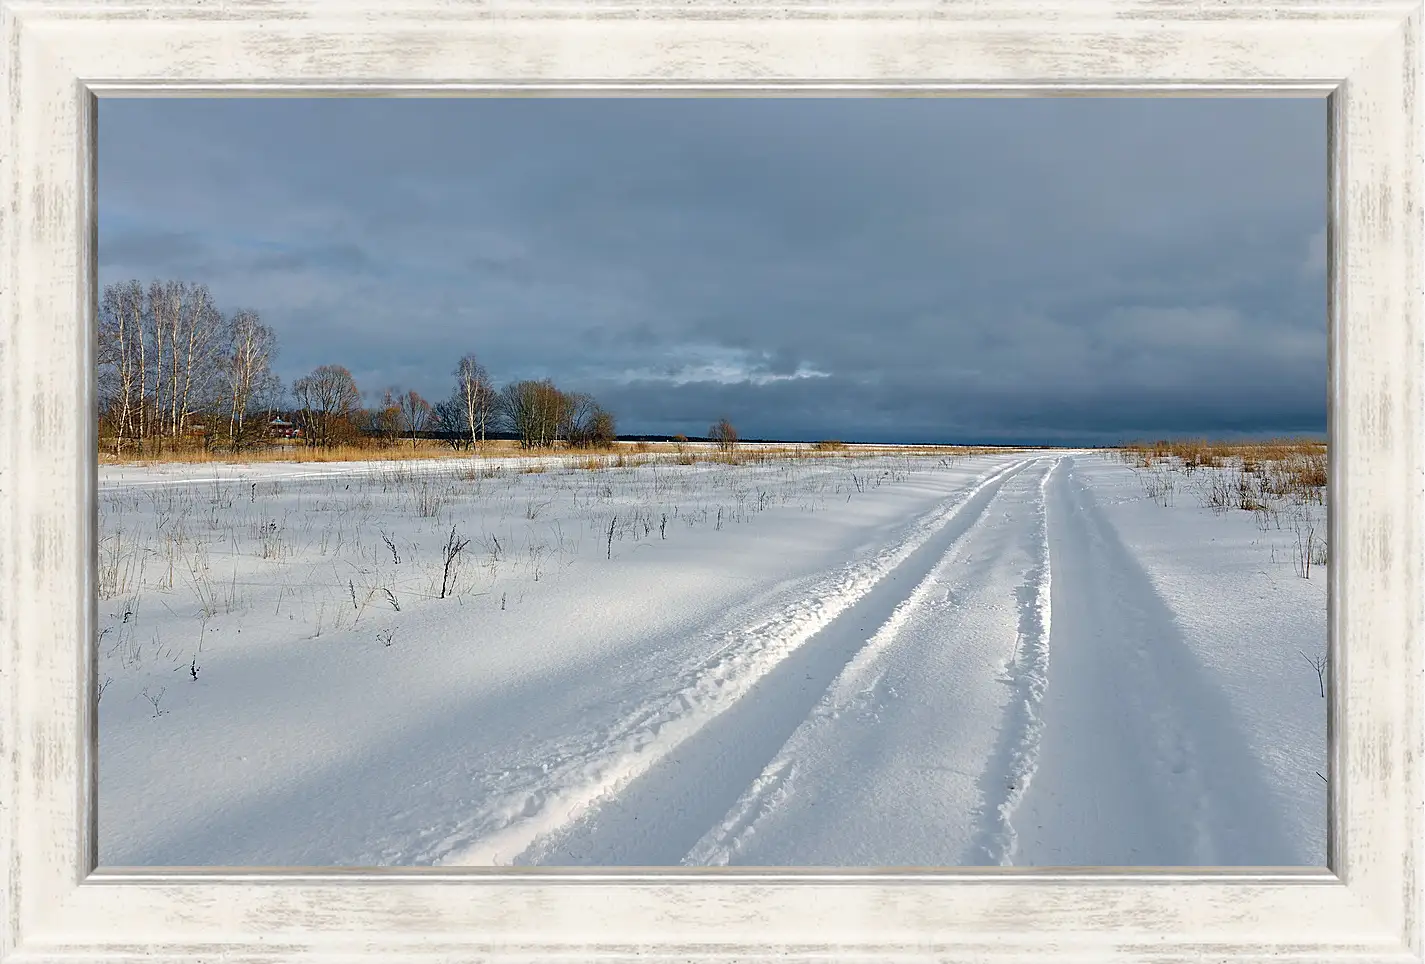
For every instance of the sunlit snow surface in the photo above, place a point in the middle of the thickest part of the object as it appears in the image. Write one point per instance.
(1015, 658)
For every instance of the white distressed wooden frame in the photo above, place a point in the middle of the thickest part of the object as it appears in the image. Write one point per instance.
(1366, 54)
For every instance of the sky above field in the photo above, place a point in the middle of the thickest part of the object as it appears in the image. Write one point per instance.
(1070, 270)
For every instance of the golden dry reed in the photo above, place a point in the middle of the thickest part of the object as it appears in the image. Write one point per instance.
(617, 455)
(1285, 467)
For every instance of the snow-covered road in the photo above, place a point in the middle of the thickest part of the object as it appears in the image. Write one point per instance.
(1143, 758)
(1010, 659)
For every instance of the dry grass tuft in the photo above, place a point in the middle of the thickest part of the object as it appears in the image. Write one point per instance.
(1248, 475)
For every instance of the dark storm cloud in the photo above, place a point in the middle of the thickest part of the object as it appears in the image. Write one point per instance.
(1059, 269)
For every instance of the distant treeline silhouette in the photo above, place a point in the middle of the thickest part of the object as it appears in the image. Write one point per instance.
(174, 369)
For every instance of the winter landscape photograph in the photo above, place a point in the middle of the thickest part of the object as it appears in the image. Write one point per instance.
(861, 482)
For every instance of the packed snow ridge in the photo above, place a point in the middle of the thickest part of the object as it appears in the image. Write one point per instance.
(837, 661)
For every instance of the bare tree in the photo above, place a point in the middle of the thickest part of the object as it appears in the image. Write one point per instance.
(383, 420)
(268, 397)
(164, 302)
(121, 335)
(589, 424)
(246, 367)
(536, 411)
(519, 408)
(415, 413)
(449, 417)
(187, 329)
(579, 410)
(601, 428)
(145, 418)
(724, 435)
(201, 348)
(327, 398)
(477, 395)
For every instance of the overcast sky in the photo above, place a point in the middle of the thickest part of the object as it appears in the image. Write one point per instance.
(1072, 270)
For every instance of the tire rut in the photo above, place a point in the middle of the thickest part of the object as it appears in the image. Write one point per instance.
(1016, 758)
(658, 817)
(1142, 762)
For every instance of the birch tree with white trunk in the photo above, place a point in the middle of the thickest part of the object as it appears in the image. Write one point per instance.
(477, 395)
(246, 369)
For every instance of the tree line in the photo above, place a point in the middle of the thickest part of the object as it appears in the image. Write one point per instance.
(536, 412)
(172, 366)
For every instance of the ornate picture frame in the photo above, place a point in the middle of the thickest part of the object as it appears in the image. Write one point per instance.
(1365, 55)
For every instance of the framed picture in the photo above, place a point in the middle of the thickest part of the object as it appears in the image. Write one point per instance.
(726, 900)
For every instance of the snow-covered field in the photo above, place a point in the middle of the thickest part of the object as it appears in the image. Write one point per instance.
(1016, 658)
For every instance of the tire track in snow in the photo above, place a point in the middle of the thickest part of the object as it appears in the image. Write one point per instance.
(569, 787)
(1016, 759)
(1142, 762)
(858, 681)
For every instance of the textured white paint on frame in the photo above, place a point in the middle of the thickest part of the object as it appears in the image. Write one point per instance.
(57, 56)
